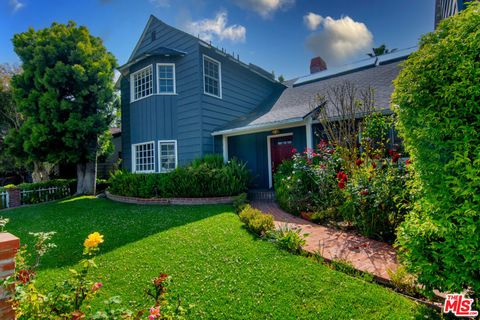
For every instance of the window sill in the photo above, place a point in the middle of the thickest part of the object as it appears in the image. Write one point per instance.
(212, 95)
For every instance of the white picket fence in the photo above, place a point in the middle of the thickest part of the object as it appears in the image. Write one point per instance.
(45, 194)
(4, 200)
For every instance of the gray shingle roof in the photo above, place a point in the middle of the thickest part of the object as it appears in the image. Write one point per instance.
(297, 101)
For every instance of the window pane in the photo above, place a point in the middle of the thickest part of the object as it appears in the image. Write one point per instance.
(167, 156)
(166, 78)
(143, 83)
(144, 157)
(211, 72)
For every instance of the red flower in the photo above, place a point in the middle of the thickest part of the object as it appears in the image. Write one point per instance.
(322, 144)
(341, 184)
(25, 276)
(408, 162)
(294, 150)
(390, 152)
(364, 192)
(358, 162)
(96, 286)
(374, 165)
(395, 157)
(340, 175)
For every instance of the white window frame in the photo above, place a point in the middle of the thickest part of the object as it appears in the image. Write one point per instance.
(219, 76)
(160, 156)
(174, 79)
(134, 157)
(132, 84)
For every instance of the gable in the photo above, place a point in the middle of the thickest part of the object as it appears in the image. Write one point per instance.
(164, 36)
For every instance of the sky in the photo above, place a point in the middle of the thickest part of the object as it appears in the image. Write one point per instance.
(278, 35)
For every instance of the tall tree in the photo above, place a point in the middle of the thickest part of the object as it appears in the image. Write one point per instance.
(66, 94)
(380, 51)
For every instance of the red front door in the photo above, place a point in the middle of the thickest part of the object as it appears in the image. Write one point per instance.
(281, 148)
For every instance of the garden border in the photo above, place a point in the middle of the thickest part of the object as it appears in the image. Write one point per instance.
(171, 201)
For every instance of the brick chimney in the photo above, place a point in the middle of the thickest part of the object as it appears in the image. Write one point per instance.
(317, 64)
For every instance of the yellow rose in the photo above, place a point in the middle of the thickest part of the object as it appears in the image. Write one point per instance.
(93, 240)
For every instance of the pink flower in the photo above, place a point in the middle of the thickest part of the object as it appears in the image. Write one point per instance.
(96, 286)
(154, 313)
(294, 150)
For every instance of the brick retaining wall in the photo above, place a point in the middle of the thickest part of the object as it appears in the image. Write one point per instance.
(9, 245)
(172, 201)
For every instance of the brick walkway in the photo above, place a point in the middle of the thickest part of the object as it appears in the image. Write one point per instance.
(364, 254)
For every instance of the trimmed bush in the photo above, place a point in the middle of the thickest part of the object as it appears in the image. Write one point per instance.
(256, 221)
(437, 96)
(207, 177)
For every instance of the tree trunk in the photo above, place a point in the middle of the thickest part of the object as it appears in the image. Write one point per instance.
(41, 171)
(86, 178)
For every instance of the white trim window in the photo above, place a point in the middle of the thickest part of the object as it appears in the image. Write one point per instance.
(166, 78)
(143, 157)
(167, 155)
(141, 83)
(212, 77)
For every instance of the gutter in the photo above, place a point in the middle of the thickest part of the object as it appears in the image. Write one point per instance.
(294, 122)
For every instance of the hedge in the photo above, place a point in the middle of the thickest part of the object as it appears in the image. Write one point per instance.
(207, 177)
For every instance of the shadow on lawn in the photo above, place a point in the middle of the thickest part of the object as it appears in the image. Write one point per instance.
(121, 224)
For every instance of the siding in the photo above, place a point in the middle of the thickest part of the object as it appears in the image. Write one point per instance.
(166, 117)
(242, 91)
(252, 149)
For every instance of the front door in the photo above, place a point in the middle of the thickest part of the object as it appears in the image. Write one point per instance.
(281, 149)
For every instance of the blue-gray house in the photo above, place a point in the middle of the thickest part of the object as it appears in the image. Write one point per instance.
(183, 98)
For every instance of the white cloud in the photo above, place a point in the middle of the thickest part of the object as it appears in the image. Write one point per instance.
(312, 20)
(216, 28)
(338, 40)
(16, 5)
(161, 3)
(265, 8)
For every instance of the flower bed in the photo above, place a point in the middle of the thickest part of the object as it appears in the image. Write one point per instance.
(172, 201)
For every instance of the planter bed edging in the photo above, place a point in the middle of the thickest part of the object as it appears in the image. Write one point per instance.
(172, 201)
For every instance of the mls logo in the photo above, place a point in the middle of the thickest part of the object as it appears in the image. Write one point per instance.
(459, 306)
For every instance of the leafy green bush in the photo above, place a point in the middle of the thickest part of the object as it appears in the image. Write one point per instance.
(240, 202)
(375, 198)
(290, 239)
(256, 221)
(437, 96)
(307, 182)
(207, 177)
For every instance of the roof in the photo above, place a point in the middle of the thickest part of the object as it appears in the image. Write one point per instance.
(161, 51)
(297, 101)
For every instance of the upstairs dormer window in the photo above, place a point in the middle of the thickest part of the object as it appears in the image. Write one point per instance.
(142, 83)
(166, 78)
(212, 77)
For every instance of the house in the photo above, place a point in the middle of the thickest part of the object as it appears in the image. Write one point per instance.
(183, 98)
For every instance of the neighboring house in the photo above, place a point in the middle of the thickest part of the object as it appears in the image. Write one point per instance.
(447, 8)
(183, 98)
(106, 165)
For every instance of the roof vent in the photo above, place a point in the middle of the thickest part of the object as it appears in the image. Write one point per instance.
(317, 64)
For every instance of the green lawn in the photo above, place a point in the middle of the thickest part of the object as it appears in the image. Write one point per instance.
(218, 266)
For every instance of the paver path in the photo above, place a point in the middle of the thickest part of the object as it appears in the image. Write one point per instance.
(363, 253)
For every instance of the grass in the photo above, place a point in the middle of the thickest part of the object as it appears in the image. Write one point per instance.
(218, 266)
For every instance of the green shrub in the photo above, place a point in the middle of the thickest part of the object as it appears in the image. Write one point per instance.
(307, 182)
(240, 202)
(375, 198)
(290, 239)
(205, 177)
(437, 96)
(256, 221)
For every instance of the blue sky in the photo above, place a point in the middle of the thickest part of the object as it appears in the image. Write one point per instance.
(279, 35)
